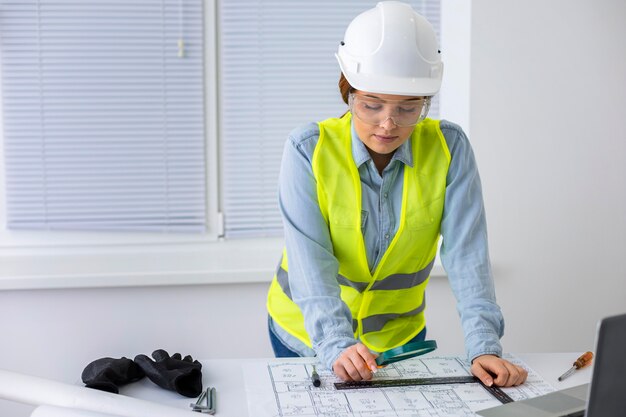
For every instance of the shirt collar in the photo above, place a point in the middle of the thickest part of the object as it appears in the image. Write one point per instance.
(360, 154)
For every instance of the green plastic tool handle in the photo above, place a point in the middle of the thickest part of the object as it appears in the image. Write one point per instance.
(410, 350)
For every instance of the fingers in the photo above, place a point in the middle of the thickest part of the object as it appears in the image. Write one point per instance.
(491, 369)
(160, 354)
(480, 373)
(368, 357)
(355, 363)
(516, 376)
(143, 359)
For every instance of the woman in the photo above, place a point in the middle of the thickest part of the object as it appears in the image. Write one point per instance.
(364, 200)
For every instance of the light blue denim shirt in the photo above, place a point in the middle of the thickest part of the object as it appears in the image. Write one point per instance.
(313, 268)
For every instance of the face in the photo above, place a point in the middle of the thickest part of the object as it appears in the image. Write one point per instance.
(385, 137)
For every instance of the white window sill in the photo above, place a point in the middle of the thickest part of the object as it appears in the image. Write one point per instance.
(223, 262)
(239, 261)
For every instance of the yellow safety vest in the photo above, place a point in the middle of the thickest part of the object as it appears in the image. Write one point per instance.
(387, 305)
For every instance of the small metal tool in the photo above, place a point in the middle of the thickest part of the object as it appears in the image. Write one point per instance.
(210, 396)
(199, 401)
(581, 362)
(213, 396)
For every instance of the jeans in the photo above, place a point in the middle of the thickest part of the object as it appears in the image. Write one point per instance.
(280, 349)
(283, 351)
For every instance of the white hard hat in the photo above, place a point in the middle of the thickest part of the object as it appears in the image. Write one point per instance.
(391, 49)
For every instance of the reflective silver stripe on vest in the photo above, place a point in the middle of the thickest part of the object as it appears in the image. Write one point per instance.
(359, 286)
(377, 322)
(404, 281)
(392, 282)
(283, 280)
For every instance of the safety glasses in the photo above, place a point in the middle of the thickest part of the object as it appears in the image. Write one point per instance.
(374, 111)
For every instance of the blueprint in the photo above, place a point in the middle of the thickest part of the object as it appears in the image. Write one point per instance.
(283, 388)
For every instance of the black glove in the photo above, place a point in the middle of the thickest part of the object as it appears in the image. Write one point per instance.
(108, 374)
(173, 373)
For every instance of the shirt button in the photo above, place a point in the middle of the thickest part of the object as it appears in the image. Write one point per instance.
(387, 236)
(385, 195)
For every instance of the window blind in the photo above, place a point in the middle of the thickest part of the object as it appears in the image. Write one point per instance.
(103, 114)
(278, 71)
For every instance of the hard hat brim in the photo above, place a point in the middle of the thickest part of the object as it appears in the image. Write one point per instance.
(383, 84)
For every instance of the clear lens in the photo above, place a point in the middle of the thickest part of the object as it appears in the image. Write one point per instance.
(403, 113)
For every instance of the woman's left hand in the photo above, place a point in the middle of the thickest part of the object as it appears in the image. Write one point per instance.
(491, 369)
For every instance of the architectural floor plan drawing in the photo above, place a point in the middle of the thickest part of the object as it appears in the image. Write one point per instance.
(283, 388)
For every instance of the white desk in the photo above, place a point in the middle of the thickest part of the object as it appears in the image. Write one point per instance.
(227, 377)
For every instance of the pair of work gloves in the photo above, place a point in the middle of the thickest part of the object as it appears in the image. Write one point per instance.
(173, 373)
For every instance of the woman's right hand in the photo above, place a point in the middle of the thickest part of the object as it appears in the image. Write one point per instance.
(355, 363)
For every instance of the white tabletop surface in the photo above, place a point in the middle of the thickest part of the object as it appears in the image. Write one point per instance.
(227, 377)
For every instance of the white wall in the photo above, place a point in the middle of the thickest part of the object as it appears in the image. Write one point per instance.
(548, 95)
(547, 101)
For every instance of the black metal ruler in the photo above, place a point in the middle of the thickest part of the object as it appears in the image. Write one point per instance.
(384, 383)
